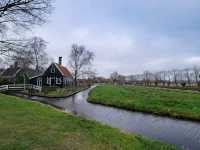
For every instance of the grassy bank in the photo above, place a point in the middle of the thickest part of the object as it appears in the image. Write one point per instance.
(56, 91)
(169, 102)
(30, 125)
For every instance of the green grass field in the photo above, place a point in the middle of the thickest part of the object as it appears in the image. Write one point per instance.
(173, 103)
(27, 125)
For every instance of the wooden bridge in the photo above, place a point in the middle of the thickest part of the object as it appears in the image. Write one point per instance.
(20, 87)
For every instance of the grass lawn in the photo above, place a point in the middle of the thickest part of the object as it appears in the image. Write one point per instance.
(174, 103)
(30, 125)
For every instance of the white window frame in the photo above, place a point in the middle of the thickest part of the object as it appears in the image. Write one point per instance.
(49, 80)
(58, 80)
(66, 83)
(39, 82)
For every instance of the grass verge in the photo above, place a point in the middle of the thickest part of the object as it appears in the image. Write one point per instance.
(55, 92)
(30, 125)
(169, 102)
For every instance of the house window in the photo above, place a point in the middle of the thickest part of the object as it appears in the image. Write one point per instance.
(39, 82)
(53, 70)
(49, 80)
(67, 81)
(58, 80)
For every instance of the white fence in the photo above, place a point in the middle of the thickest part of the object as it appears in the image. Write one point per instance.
(20, 87)
(35, 87)
(3, 87)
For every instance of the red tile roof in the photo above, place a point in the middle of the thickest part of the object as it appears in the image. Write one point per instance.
(65, 72)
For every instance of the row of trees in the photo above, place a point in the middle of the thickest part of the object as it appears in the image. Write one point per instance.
(174, 77)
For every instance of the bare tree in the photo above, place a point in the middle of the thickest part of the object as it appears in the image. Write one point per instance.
(187, 75)
(181, 77)
(20, 14)
(157, 78)
(163, 77)
(23, 58)
(147, 78)
(117, 78)
(40, 58)
(88, 73)
(30, 54)
(8, 47)
(168, 77)
(175, 74)
(114, 77)
(196, 71)
(23, 13)
(79, 59)
(121, 79)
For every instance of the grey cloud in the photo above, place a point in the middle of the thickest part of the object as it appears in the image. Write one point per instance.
(127, 36)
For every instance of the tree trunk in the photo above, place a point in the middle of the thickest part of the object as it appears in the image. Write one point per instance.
(75, 79)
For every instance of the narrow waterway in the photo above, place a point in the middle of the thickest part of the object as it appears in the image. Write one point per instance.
(184, 134)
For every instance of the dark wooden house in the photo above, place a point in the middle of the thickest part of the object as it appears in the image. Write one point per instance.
(55, 75)
(17, 75)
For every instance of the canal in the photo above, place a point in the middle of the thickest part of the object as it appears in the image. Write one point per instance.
(183, 134)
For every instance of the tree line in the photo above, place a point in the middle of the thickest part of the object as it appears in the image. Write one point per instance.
(173, 77)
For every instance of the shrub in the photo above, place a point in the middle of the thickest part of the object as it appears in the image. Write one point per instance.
(4, 81)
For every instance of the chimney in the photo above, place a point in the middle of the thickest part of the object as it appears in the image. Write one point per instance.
(60, 61)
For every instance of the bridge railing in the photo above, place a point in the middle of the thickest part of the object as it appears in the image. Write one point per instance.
(20, 87)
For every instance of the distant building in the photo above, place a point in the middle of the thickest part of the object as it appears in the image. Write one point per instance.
(15, 74)
(55, 75)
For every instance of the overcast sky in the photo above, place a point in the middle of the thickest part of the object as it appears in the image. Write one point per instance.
(128, 36)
